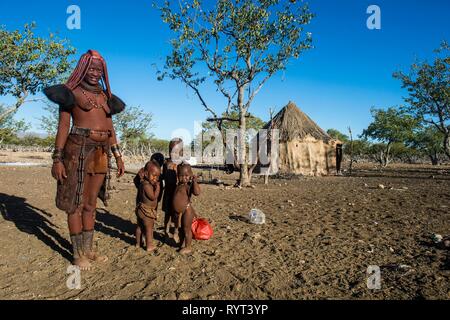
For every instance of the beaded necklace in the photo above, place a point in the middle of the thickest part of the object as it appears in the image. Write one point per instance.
(91, 102)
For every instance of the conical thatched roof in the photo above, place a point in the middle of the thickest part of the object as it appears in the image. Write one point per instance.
(294, 124)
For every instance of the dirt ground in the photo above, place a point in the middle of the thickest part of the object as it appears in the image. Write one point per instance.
(321, 235)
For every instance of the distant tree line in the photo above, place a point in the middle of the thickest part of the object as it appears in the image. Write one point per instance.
(419, 128)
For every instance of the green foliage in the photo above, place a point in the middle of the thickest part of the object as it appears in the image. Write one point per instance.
(335, 134)
(253, 122)
(237, 39)
(403, 152)
(159, 145)
(360, 148)
(28, 63)
(9, 128)
(428, 86)
(33, 140)
(427, 139)
(240, 44)
(388, 127)
(391, 125)
(49, 122)
(132, 125)
(230, 121)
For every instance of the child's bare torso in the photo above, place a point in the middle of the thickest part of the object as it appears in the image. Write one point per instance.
(181, 198)
(142, 197)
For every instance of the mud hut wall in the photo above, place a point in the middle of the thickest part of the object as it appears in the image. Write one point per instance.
(307, 157)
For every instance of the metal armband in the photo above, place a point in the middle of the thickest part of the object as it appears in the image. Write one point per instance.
(57, 155)
(115, 149)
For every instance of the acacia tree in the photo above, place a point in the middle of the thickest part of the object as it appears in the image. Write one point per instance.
(49, 121)
(132, 125)
(9, 127)
(389, 126)
(428, 140)
(428, 86)
(336, 134)
(29, 63)
(238, 45)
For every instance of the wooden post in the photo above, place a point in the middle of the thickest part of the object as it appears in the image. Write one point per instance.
(266, 176)
(351, 151)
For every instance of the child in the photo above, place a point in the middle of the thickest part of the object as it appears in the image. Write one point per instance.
(169, 176)
(159, 158)
(185, 213)
(147, 202)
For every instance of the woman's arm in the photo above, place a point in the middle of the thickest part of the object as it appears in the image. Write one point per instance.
(58, 169)
(113, 144)
(63, 129)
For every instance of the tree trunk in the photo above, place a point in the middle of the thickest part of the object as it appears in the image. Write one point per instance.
(266, 178)
(447, 144)
(434, 159)
(385, 156)
(351, 151)
(20, 101)
(244, 180)
(243, 175)
(250, 172)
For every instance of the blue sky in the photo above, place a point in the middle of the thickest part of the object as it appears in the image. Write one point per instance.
(349, 70)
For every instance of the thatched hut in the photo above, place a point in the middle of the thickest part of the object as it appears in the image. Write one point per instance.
(304, 147)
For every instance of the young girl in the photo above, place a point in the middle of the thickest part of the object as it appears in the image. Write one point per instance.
(147, 202)
(185, 213)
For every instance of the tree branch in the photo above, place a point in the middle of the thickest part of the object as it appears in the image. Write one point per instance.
(255, 92)
(34, 100)
(197, 92)
(226, 118)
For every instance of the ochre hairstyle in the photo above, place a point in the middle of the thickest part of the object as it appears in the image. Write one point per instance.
(82, 67)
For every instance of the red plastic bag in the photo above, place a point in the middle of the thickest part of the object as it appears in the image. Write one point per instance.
(201, 229)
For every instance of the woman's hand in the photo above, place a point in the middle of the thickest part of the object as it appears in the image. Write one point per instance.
(120, 167)
(59, 171)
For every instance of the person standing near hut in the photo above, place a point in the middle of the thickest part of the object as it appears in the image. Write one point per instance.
(81, 158)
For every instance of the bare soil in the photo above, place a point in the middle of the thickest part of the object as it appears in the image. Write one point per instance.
(320, 236)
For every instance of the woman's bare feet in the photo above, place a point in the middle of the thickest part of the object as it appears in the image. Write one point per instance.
(82, 263)
(151, 248)
(79, 258)
(88, 248)
(96, 257)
